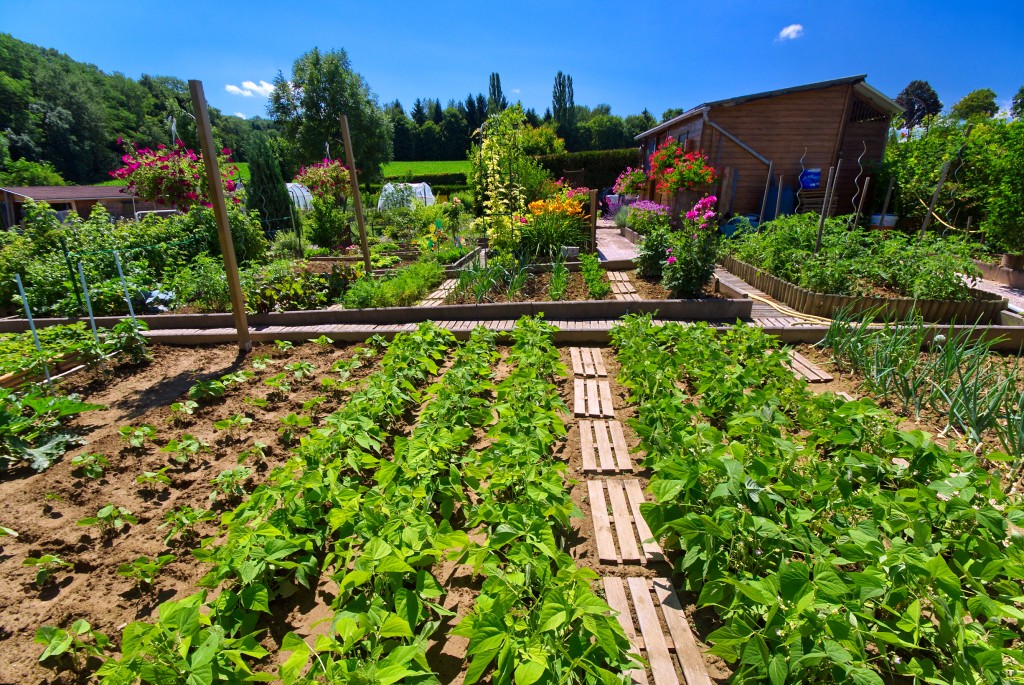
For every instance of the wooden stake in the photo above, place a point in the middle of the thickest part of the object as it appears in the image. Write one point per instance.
(593, 221)
(220, 211)
(764, 201)
(821, 220)
(778, 199)
(935, 198)
(885, 205)
(351, 160)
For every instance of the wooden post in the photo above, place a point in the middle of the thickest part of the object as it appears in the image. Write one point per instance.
(351, 160)
(821, 220)
(885, 205)
(778, 199)
(764, 201)
(935, 198)
(220, 212)
(860, 204)
(593, 221)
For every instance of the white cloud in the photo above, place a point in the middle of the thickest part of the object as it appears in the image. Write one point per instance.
(515, 91)
(264, 88)
(250, 88)
(791, 32)
(239, 115)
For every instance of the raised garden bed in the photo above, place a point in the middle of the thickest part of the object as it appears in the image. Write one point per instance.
(984, 308)
(1001, 274)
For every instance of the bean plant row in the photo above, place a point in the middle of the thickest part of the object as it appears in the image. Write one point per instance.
(375, 510)
(834, 547)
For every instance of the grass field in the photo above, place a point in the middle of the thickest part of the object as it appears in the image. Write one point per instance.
(402, 169)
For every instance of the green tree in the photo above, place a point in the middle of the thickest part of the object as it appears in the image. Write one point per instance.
(266, 191)
(1017, 107)
(604, 132)
(496, 101)
(978, 104)
(563, 109)
(308, 107)
(671, 113)
(918, 100)
(635, 124)
(454, 134)
(404, 138)
(428, 141)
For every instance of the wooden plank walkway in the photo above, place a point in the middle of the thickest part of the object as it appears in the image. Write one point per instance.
(622, 287)
(804, 368)
(439, 296)
(611, 454)
(587, 362)
(632, 541)
(672, 651)
(593, 398)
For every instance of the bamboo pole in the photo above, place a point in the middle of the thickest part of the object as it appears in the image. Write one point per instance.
(220, 211)
(778, 199)
(885, 205)
(764, 201)
(350, 158)
(935, 198)
(824, 206)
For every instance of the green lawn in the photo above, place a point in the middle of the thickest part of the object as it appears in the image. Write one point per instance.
(402, 169)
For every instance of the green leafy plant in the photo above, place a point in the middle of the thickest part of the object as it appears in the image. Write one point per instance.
(229, 485)
(283, 345)
(693, 251)
(127, 338)
(301, 369)
(136, 436)
(233, 425)
(291, 424)
(279, 385)
(257, 452)
(594, 276)
(261, 361)
(143, 570)
(47, 566)
(31, 427)
(181, 412)
(70, 648)
(153, 480)
(90, 465)
(204, 391)
(185, 448)
(110, 520)
(560, 276)
(182, 521)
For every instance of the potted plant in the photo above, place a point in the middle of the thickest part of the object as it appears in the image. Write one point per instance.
(629, 185)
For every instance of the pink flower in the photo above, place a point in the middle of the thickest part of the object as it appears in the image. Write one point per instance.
(692, 214)
(226, 151)
(668, 251)
(671, 260)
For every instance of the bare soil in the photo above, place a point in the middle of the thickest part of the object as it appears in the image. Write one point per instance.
(44, 508)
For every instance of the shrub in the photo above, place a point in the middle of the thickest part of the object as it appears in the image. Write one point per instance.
(202, 284)
(651, 254)
(405, 287)
(645, 216)
(600, 168)
(326, 223)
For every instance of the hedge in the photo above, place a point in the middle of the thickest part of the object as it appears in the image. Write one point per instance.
(432, 179)
(600, 167)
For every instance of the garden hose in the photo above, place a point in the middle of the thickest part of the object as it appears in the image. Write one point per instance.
(790, 312)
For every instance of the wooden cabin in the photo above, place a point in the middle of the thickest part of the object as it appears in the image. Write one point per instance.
(65, 199)
(753, 139)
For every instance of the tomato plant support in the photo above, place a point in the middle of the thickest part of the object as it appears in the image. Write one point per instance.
(354, 175)
(220, 211)
(88, 303)
(124, 286)
(32, 325)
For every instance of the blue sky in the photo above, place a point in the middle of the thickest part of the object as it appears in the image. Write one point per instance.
(630, 55)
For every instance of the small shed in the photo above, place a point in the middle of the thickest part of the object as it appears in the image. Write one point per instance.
(78, 199)
(787, 131)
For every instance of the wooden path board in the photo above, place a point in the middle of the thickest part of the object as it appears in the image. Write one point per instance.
(621, 534)
(592, 397)
(672, 651)
(439, 296)
(603, 446)
(587, 362)
(805, 368)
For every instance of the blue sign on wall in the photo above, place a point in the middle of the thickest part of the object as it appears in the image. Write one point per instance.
(810, 179)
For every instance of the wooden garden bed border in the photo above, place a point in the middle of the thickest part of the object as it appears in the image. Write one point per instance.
(984, 309)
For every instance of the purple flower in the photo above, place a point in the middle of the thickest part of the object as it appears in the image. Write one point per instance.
(671, 260)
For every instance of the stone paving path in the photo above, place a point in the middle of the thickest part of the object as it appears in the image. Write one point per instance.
(610, 244)
(1014, 295)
